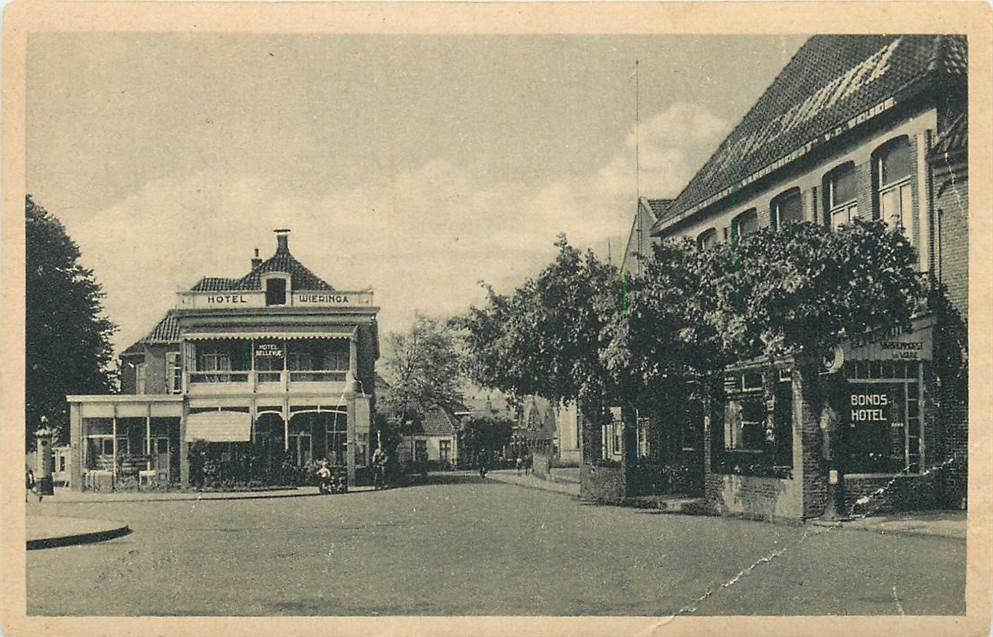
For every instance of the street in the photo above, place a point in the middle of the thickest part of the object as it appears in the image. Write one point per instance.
(464, 546)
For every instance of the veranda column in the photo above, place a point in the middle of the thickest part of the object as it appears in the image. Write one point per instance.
(113, 461)
(148, 438)
(76, 442)
(184, 451)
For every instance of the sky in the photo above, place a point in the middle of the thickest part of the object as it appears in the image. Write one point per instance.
(417, 165)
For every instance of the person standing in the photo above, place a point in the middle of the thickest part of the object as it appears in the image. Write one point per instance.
(30, 484)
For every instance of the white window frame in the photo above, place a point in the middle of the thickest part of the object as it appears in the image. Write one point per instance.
(736, 222)
(174, 373)
(709, 233)
(903, 187)
(778, 199)
(841, 212)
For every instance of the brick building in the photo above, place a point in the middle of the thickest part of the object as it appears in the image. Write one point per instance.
(276, 360)
(854, 126)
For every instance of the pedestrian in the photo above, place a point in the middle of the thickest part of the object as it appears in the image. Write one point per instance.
(519, 461)
(30, 484)
(528, 463)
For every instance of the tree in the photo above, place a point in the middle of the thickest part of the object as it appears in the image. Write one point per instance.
(806, 288)
(68, 348)
(484, 433)
(423, 368)
(545, 338)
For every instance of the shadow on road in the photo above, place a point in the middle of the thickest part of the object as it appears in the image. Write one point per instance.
(453, 477)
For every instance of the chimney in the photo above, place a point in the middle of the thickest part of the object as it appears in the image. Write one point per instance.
(282, 244)
(256, 260)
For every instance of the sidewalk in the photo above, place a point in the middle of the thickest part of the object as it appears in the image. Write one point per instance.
(44, 531)
(947, 524)
(65, 496)
(509, 476)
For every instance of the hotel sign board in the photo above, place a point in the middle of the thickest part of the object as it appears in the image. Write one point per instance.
(895, 345)
(257, 299)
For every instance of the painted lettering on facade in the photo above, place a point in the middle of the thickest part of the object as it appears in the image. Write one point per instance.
(226, 299)
(322, 299)
(869, 407)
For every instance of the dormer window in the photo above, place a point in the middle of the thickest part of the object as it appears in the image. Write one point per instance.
(275, 291)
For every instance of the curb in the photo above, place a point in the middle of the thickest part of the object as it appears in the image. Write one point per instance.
(79, 538)
(536, 487)
(881, 531)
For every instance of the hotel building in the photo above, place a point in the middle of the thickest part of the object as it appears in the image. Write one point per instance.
(276, 360)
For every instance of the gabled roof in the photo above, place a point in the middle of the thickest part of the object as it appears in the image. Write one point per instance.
(954, 139)
(656, 206)
(165, 332)
(437, 421)
(301, 278)
(831, 80)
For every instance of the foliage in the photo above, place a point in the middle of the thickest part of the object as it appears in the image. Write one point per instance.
(424, 369)
(247, 465)
(805, 287)
(68, 348)
(656, 345)
(545, 338)
(484, 434)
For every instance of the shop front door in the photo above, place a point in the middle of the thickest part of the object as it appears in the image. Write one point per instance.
(301, 448)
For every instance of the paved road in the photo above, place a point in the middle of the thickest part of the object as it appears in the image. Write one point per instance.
(478, 547)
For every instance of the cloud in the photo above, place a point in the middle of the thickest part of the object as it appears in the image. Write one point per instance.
(421, 237)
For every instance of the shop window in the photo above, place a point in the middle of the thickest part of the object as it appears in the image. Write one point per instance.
(745, 224)
(174, 377)
(787, 208)
(884, 418)
(706, 239)
(892, 167)
(275, 291)
(841, 190)
(754, 434)
(744, 424)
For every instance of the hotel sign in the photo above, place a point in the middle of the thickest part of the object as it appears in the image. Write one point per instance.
(268, 350)
(257, 299)
(893, 345)
(331, 299)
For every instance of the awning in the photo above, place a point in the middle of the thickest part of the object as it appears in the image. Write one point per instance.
(219, 426)
(269, 335)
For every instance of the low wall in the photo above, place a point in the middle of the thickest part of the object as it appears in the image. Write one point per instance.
(754, 497)
(601, 484)
(569, 458)
(886, 494)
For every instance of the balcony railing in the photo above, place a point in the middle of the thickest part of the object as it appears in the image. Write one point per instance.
(318, 376)
(219, 377)
(271, 377)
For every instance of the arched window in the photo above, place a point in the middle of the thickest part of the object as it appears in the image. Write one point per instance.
(706, 239)
(745, 224)
(787, 208)
(841, 192)
(893, 165)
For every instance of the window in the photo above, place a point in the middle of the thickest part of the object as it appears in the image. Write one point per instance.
(218, 362)
(618, 440)
(421, 451)
(275, 291)
(444, 450)
(62, 463)
(841, 189)
(706, 239)
(893, 166)
(174, 377)
(787, 208)
(884, 417)
(744, 424)
(140, 378)
(745, 224)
